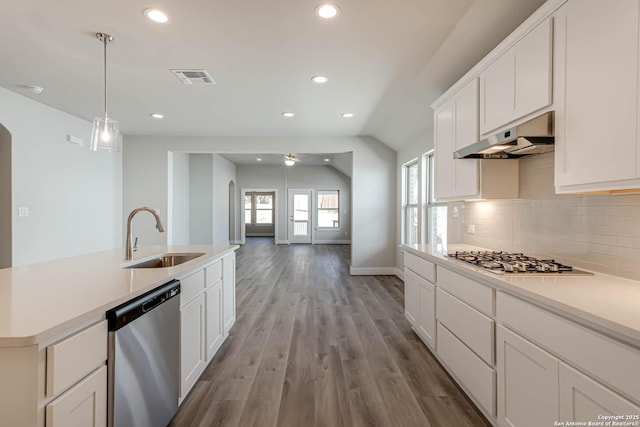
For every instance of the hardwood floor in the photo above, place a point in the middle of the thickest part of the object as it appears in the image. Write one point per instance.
(313, 346)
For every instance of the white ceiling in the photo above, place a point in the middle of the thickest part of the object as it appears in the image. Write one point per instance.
(377, 54)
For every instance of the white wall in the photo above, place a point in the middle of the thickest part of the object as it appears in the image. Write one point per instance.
(257, 177)
(200, 199)
(180, 224)
(373, 183)
(74, 195)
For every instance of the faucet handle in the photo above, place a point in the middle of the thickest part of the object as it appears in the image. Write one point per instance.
(135, 245)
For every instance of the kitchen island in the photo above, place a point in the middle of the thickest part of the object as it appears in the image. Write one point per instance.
(53, 329)
(529, 350)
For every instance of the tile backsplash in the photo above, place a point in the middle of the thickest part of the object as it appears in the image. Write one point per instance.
(596, 232)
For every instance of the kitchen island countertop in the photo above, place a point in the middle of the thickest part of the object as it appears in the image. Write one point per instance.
(42, 301)
(609, 304)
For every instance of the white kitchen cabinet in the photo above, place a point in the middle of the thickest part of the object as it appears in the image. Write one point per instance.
(583, 399)
(518, 83)
(427, 314)
(527, 382)
(420, 297)
(228, 291)
(214, 326)
(83, 405)
(596, 89)
(411, 297)
(455, 127)
(192, 343)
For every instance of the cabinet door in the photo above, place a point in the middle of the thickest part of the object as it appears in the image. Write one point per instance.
(596, 80)
(583, 399)
(192, 348)
(427, 312)
(532, 61)
(229, 292)
(411, 297)
(466, 182)
(527, 382)
(497, 93)
(214, 327)
(444, 148)
(83, 405)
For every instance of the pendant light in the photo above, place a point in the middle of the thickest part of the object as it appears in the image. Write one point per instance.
(290, 160)
(105, 134)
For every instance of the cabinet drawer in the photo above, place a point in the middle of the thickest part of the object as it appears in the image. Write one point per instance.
(472, 373)
(606, 359)
(213, 273)
(83, 405)
(472, 327)
(469, 291)
(421, 266)
(71, 359)
(191, 286)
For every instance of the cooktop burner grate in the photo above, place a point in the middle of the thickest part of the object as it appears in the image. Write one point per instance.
(500, 262)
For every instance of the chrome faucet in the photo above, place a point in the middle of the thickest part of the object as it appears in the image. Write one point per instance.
(129, 248)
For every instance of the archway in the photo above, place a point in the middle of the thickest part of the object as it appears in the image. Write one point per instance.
(5, 198)
(232, 212)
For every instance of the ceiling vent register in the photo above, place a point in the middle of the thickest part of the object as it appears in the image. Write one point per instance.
(190, 77)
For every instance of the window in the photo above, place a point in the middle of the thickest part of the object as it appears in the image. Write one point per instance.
(329, 209)
(258, 208)
(411, 218)
(435, 212)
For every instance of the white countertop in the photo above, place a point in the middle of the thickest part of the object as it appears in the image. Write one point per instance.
(39, 302)
(606, 303)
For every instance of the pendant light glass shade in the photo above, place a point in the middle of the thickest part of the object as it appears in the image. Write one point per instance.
(105, 134)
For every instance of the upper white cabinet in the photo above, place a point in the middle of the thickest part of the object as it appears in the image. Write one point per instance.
(596, 87)
(455, 127)
(519, 82)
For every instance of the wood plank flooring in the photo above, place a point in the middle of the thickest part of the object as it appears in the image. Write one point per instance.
(313, 346)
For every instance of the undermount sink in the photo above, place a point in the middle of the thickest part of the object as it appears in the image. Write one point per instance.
(167, 260)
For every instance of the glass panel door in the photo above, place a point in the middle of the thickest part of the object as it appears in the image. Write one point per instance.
(299, 216)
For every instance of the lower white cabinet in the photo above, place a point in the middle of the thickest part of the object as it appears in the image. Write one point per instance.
(83, 405)
(192, 351)
(213, 309)
(411, 297)
(229, 291)
(527, 382)
(583, 399)
(420, 306)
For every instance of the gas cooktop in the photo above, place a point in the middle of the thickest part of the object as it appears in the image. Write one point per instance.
(506, 263)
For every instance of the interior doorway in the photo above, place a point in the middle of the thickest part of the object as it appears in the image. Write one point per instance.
(258, 213)
(6, 207)
(300, 221)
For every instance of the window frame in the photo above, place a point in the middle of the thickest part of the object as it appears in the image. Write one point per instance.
(406, 206)
(254, 209)
(318, 209)
(428, 161)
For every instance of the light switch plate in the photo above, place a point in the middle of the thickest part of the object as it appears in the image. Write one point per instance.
(471, 229)
(23, 211)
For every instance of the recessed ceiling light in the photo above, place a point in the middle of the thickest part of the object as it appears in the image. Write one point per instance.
(288, 114)
(35, 89)
(327, 11)
(327, 160)
(347, 115)
(258, 159)
(319, 79)
(156, 15)
(157, 115)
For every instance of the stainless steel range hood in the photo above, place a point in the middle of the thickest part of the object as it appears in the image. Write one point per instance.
(532, 137)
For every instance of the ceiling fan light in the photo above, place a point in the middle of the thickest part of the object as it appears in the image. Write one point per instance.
(289, 160)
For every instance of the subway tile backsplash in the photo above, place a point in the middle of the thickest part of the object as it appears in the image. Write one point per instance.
(596, 232)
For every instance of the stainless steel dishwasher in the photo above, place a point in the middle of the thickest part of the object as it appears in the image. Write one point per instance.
(144, 359)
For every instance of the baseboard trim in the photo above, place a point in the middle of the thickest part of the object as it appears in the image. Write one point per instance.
(235, 242)
(332, 242)
(372, 271)
(400, 274)
(282, 242)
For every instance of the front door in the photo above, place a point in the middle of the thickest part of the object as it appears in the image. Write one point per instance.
(299, 216)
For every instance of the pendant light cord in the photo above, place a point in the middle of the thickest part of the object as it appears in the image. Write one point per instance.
(105, 39)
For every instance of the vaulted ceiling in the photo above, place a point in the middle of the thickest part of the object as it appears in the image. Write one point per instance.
(386, 62)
